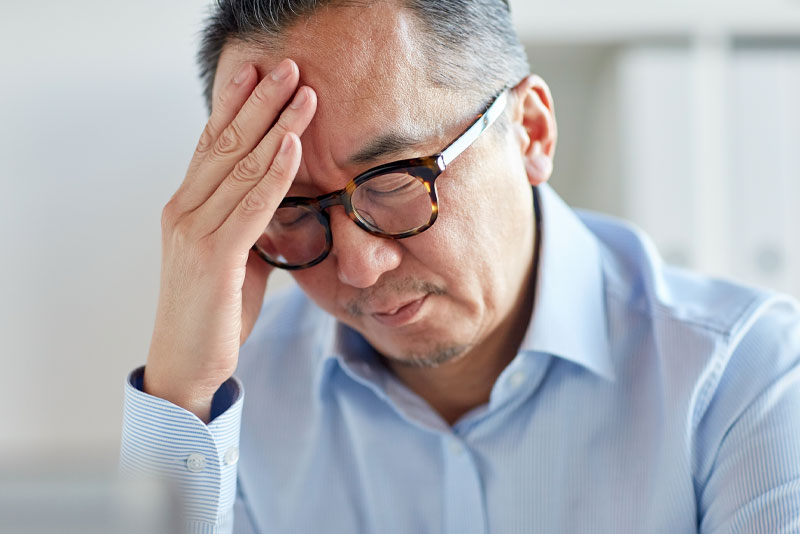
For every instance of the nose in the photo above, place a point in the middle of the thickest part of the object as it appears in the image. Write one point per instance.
(361, 258)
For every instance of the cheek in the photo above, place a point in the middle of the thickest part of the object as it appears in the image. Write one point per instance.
(478, 219)
(459, 249)
(486, 227)
(320, 283)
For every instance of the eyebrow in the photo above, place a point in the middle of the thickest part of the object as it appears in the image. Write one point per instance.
(388, 144)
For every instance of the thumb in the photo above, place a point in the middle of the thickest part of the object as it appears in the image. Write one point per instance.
(255, 284)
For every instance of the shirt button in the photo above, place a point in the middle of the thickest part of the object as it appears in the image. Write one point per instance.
(517, 379)
(196, 462)
(231, 456)
(456, 448)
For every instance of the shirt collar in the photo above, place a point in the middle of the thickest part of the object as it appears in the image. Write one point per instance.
(569, 319)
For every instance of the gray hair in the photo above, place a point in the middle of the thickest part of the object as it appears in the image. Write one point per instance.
(470, 45)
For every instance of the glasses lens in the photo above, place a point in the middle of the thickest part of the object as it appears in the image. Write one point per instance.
(295, 236)
(393, 203)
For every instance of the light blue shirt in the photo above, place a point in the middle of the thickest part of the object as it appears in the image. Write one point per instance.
(643, 399)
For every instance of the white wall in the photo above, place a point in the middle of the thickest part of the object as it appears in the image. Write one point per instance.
(100, 112)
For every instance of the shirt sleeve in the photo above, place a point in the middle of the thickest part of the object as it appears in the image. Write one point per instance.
(751, 433)
(160, 439)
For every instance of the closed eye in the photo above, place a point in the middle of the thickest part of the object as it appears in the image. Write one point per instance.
(292, 219)
(383, 191)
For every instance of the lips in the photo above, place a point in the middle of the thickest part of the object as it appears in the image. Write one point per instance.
(391, 309)
(398, 315)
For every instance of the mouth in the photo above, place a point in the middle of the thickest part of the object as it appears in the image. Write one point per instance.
(401, 315)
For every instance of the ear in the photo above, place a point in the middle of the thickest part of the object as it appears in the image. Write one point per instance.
(534, 120)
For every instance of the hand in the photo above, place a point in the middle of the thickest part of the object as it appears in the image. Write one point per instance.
(212, 285)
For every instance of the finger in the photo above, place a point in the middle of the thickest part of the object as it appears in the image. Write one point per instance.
(245, 131)
(227, 104)
(250, 170)
(250, 217)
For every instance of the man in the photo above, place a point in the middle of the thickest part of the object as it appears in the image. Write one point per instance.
(464, 353)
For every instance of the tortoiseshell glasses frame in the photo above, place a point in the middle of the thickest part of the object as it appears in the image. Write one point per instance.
(425, 169)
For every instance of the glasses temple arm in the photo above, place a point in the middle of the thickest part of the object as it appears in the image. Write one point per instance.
(471, 134)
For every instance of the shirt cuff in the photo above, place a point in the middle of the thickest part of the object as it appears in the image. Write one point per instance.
(164, 440)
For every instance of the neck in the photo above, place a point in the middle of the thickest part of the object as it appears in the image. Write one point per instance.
(458, 386)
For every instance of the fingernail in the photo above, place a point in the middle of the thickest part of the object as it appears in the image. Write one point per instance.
(241, 75)
(286, 145)
(300, 98)
(282, 71)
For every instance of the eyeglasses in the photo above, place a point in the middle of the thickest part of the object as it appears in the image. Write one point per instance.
(394, 201)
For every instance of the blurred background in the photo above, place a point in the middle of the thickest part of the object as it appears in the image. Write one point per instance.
(680, 115)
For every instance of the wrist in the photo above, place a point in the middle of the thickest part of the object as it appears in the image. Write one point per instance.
(195, 399)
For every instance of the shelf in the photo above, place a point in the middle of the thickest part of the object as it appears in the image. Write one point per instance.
(582, 21)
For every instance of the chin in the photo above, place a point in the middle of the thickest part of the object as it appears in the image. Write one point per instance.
(422, 355)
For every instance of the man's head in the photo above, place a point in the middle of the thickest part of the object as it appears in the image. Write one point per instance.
(393, 83)
(466, 45)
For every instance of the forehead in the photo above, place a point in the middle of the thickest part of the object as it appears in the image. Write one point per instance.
(367, 67)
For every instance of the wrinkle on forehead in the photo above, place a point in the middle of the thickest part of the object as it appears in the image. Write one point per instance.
(368, 70)
(367, 66)
(367, 52)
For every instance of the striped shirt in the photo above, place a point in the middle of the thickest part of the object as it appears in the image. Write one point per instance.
(643, 399)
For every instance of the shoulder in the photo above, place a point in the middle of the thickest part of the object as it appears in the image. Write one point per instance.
(636, 276)
(703, 333)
